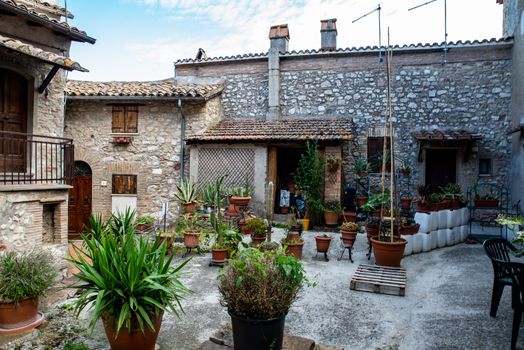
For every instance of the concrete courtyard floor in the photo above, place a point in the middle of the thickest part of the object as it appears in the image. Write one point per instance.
(446, 304)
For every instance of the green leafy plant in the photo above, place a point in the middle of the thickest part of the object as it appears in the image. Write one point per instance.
(208, 194)
(309, 179)
(515, 224)
(349, 226)
(333, 206)
(434, 197)
(362, 166)
(405, 168)
(333, 162)
(261, 285)
(375, 201)
(257, 226)
(26, 274)
(186, 192)
(127, 278)
(189, 222)
(75, 346)
(146, 220)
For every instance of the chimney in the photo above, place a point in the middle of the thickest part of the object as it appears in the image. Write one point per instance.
(328, 34)
(279, 37)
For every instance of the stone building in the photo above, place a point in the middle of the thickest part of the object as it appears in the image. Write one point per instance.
(35, 160)
(451, 118)
(128, 143)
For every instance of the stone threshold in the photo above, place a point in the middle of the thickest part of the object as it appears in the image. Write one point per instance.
(34, 187)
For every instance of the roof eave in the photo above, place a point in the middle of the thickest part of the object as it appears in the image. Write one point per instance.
(136, 98)
(196, 140)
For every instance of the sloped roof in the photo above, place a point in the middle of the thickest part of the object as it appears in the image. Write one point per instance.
(47, 56)
(46, 6)
(32, 13)
(445, 135)
(235, 130)
(343, 51)
(159, 89)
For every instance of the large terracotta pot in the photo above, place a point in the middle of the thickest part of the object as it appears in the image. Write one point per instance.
(219, 255)
(371, 230)
(256, 240)
(348, 237)
(388, 253)
(239, 201)
(233, 210)
(422, 207)
(322, 243)
(189, 207)
(18, 314)
(350, 216)
(191, 239)
(295, 249)
(331, 218)
(409, 230)
(132, 338)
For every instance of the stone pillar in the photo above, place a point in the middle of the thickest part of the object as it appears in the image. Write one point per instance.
(274, 84)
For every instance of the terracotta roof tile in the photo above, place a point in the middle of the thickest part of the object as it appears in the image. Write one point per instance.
(46, 6)
(50, 57)
(348, 50)
(22, 8)
(445, 135)
(327, 129)
(162, 88)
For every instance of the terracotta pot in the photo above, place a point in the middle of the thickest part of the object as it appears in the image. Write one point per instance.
(256, 240)
(388, 253)
(219, 255)
(233, 210)
(293, 235)
(350, 216)
(405, 202)
(331, 218)
(144, 227)
(433, 206)
(168, 240)
(191, 239)
(189, 207)
(322, 243)
(284, 210)
(295, 249)
(422, 207)
(409, 230)
(72, 253)
(348, 237)
(361, 201)
(371, 230)
(406, 173)
(455, 204)
(445, 204)
(362, 173)
(486, 203)
(132, 338)
(18, 314)
(239, 201)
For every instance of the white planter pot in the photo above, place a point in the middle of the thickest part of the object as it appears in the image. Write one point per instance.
(464, 232)
(450, 237)
(417, 242)
(465, 216)
(443, 217)
(433, 221)
(408, 250)
(456, 234)
(434, 239)
(426, 242)
(456, 220)
(441, 238)
(424, 221)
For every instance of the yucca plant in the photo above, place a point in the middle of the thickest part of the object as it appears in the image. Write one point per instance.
(127, 278)
(186, 191)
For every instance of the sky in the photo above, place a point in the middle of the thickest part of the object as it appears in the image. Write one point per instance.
(140, 39)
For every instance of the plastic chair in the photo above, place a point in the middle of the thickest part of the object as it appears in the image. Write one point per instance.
(497, 250)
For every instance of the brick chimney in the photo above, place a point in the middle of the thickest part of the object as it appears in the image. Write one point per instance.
(279, 37)
(328, 34)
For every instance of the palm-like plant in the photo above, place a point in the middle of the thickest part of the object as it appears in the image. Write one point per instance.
(186, 191)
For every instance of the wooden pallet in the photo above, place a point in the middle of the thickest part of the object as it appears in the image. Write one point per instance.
(379, 279)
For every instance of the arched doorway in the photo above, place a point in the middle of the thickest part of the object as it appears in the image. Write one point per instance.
(80, 199)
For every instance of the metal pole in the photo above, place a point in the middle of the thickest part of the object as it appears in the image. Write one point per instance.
(379, 36)
(445, 32)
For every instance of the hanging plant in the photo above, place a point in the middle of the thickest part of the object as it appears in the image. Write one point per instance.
(333, 163)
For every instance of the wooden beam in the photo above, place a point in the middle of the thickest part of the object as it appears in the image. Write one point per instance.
(48, 79)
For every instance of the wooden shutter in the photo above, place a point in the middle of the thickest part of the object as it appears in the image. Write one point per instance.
(131, 119)
(124, 184)
(118, 119)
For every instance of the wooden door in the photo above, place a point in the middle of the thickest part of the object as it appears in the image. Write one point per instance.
(13, 118)
(441, 168)
(80, 199)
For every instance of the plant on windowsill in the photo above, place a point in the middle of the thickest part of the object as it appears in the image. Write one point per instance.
(186, 194)
(332, 211)
(362, 167)
(258, 288)
(405, 169)
(24, 277)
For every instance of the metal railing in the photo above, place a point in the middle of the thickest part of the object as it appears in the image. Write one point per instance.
(35, 159)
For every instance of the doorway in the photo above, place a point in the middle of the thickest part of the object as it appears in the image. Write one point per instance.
(286, 165)
(80, 200)
(441, 168)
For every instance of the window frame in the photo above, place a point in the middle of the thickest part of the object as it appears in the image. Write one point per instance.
(490, 166)
(126, 115)
(134, 190)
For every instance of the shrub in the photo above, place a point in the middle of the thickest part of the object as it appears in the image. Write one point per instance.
(261, 285)
(25, 275)
(257, 226)
(349, 226)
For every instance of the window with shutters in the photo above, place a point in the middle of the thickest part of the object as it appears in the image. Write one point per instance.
(375, 151)
(125, 119)
(124, 184)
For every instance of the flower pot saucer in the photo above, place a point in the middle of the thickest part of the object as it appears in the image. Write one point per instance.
(23, 328)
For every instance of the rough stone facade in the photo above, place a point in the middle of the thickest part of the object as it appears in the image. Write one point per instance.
(153, 154)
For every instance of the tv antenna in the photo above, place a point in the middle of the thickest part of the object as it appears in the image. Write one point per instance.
(379, 31)
(445, 25)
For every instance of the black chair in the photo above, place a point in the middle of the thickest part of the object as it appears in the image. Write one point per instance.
(498, 251)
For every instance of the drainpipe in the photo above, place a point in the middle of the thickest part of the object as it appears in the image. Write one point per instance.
(182, 142)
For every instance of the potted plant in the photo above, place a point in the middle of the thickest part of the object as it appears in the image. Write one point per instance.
(166, 236)
(258, 229)
(375, 203)
(264, 246)
(323, 243)
(258, 288)
(190, 225)
(145, 223)
(408, 226)
(484, 196)
(240, 195)
(362, 167)
(348, 231)
(333, 162)
(453, 193)
(232, 238)
(209, 197)
(405, 169)
(220, 249)
(405, 202)
(332, 212)
(129, 285)
(24, 277)
(186, 194)
(434, 200)
(361, 200)
(422, 203)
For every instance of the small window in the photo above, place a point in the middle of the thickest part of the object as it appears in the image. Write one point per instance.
(484, 166)
(375, 151)
(124, 184)
(125, 119)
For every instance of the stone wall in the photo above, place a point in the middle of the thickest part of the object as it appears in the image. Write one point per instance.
(153, 154)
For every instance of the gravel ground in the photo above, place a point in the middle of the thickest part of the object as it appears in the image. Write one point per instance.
(446, 306)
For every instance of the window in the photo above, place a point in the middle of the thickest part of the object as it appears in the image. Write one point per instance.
(484, 166)
(375, 150)
(125, 119)
(124, 184)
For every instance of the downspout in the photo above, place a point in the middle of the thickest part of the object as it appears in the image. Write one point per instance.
(182, 142)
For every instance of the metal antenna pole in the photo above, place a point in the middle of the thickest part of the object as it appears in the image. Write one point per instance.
(379, 29)
(445, 25)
